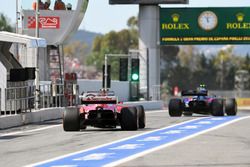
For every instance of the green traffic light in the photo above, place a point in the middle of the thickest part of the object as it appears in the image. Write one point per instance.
(135, 77)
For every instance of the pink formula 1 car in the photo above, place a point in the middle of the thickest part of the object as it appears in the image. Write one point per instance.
(102, 110)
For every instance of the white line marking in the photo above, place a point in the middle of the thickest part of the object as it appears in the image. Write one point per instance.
(53, 126)
(103, 145)
(28, 131)
(170, 144)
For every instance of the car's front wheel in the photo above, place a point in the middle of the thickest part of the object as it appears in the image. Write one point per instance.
(217, 107)
(141, 115)
(231, 107)
(175, 108)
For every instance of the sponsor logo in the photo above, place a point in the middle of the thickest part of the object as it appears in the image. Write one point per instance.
(45, 22)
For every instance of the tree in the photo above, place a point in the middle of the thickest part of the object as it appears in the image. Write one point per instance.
(4, 23)
(76, 49)
(114, 43)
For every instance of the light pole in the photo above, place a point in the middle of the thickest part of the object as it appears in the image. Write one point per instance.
(17, 18)
(146, 60)
(37, 59)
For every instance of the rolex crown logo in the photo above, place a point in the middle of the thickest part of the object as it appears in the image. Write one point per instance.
(175, 17)
(240, 17)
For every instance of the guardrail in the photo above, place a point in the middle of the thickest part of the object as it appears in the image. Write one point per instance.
(20, 99)
(17, 99)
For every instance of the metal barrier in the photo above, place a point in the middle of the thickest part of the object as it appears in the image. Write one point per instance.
(51, 95)
(21, 97)
(18, 99)
(156, 92)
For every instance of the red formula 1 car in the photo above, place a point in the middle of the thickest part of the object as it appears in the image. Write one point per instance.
(102, 110)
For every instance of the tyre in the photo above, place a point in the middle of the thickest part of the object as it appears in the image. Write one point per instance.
(82, 121)
(129, 118)
(231, 107)
(71, 119)
(175, 108)
(141, 115)
(217, 107)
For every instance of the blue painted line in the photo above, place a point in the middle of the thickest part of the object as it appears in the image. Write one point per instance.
(123, 149)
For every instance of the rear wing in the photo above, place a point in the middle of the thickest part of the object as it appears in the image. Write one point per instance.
(98, 93)
(193, 93)
(99, 100)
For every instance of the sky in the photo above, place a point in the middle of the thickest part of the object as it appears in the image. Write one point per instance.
(102, 17)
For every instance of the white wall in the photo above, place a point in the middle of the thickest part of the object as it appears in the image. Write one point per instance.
(3, 82)
(121, 89)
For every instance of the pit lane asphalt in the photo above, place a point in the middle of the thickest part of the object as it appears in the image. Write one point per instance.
(227, 146)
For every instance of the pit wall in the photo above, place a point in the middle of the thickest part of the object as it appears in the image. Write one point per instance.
(243, 102)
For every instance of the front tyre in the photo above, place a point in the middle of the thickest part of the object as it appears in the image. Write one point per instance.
(71, 119)
(217, 107)
(231, 107)
(141, 115)
(175, 108)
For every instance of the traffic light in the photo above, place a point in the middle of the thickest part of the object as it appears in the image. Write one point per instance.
(108, 77)
(123, 69)
(135, 66)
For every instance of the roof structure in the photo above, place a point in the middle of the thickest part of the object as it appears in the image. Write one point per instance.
(31, 42)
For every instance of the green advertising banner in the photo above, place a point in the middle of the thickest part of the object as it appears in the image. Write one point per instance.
(204, 26)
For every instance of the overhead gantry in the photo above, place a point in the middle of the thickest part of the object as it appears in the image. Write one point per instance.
(56, 26)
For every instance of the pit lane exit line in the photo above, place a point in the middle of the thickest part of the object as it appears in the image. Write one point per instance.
(121, 151)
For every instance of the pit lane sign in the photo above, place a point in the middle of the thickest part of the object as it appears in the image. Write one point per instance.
(45, 22)
(204, 26)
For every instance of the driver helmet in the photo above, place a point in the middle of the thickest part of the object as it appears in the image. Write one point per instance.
(202, 87)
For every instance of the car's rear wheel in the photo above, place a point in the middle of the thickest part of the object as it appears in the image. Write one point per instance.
(71, 119)
(82, 121)
(129, 118)
(141, 115)
(175, 108)
(231, 107)
(217, 107)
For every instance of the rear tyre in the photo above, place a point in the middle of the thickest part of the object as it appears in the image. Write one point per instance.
(231, 107)
(129, 118)
(175, 108)
(82, 121)
(217, 107)
(71, 119)
(141, 115)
